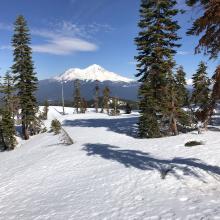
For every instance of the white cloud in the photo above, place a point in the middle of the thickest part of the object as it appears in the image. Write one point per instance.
(189, 82)
(182, 53)
(64, 46)
(63, 38)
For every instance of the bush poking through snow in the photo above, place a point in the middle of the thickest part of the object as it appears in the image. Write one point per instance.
(65, 138)
(193, 143)
(44, 130)
(55, 126)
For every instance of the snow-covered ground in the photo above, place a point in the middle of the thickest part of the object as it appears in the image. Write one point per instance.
(110, 174)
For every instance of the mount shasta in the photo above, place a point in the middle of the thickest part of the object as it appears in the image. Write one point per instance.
(120, 86)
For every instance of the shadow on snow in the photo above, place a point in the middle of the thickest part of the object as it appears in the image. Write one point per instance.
(126, 126)
(144, 161)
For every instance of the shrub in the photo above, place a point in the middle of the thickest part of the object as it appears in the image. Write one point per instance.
(193, 143)
(55, 126)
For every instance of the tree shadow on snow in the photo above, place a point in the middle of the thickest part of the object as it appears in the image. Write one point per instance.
(144, 161)
(126, 126)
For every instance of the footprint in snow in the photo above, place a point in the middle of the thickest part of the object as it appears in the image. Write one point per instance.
(183, 199)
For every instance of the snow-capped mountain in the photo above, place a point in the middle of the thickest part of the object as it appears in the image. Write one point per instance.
(120, 86)
(91, 73)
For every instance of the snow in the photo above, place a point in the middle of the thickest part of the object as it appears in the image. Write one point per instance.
(110, 174)
(92, 73)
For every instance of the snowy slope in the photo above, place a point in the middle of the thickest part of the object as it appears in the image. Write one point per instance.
(91, 73)
(109, 174)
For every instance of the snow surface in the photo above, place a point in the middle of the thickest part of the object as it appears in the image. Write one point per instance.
(109, 174)
(92, 73)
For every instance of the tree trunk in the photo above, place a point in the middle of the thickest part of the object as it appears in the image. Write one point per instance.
(173, 125)
(25, 131)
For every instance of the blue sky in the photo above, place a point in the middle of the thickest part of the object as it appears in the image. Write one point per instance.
(78, 33)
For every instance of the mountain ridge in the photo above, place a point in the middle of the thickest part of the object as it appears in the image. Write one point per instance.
(92, 73)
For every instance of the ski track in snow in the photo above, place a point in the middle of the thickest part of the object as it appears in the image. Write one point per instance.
(108, 174)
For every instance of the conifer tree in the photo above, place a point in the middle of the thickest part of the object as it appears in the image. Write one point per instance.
(96, 99)
(155, 44)
(83, 106)
(24, 75)
(208, 26)
(182, 93)
(201, 91)
(8, 90)
(106, 97)
(45, 110)
(216, 86)
(128, 108)
(178, 118)
(7, 123)
(77, 98)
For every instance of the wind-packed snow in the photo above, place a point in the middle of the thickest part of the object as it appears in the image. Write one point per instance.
(92, 73)
(110, 174)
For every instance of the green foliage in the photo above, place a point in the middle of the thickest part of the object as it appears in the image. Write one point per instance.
(96, 98)
(207, 25)
(77, 97)
(55, 126)
(7, 122)
(83, 106)
(128, 108)
(181, 90)
(105, 101)
(155, 44)
(8, 130)
(201, 83)
(45, 110)
(24, 75)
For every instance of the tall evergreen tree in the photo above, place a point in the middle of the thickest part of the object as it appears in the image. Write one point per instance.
(216, 86)
(24, 75)
(7, 122)
(201, 83)
(96, 98)
(8, 90)
(105, 101)
(155, 43)
(178, 118)
(77, 97)
(45, 110)
(182, 93)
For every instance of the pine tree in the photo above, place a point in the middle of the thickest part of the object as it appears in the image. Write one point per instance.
(106, 97)
(178, 118)
(8, 90)
(45, 110)
(77, 98)
(96, 99)
(155, 43)
(24, 75)
(56, 126)
(115, 105)
(216, 87)
(201, 83)
(208, 26)
(83, 106)
(182, 93)
(128, 108)
(7, 123)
